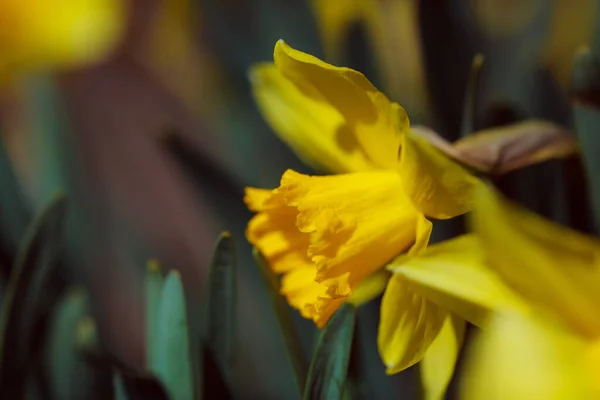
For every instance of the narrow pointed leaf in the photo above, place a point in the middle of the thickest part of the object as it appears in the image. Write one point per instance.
(14, 214)
(153, 286)
(171, 356)
(86, 340)
(130, 386)
(471, 100)
(220, 329)
(286, 324)
(585, 79)
(329, 365)
(119, 388)
(586, 82)
(220, 322)
(63, 361)
(587, 121)
(357, 379)
(37, 252)
(596, 33)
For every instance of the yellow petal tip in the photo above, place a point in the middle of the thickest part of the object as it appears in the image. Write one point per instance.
(281, 45)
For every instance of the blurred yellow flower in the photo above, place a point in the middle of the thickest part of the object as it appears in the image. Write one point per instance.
(535, 289)
(556, 271)
(39, 34)
(326, 234)
(392, 31)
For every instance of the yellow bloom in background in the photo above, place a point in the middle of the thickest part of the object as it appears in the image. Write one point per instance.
(392, 31)
(39, 34)
(327, 234)
(534, 288)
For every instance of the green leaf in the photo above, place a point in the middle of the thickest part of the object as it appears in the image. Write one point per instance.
(586, 84)
(129, 386)
(87, 342)
(329, 365)
(596, 33)
(171, 354)
(221, 301)
(286, 324)
(76, 363)
(70, 377)
(14, 214)
(587, 123)
(585, 79)
(37, 252)
(220, 319)
(357, 380)
(153, 285)
(119, 387)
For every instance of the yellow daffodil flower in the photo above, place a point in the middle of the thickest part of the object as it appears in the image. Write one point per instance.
(38, 34)
(534, 287)
(327, 234)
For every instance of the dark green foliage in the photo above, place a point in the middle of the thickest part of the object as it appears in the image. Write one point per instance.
(221, 300)
(20, 304)
(154, 281)
(70, 376)
(14, 215)
(329, 365)
(219, 340)
(176, 373)
(587, 121)
(130, 386)
(586, 87)
(171, 358)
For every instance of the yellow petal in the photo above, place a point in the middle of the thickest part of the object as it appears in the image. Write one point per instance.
(300, 288)
(371, 287)
(437, 366)
(555, 268)
(357, 223)
(453, 274)
(255, 198)
(520, 359)
(311, 128)
(409, 324)
(371, 120)
(330, 234)
(424, 228)
(59, 33)
(311, 298)
(273, 231)
(437, 186)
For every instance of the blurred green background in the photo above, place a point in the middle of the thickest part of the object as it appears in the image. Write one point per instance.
(154, 143)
